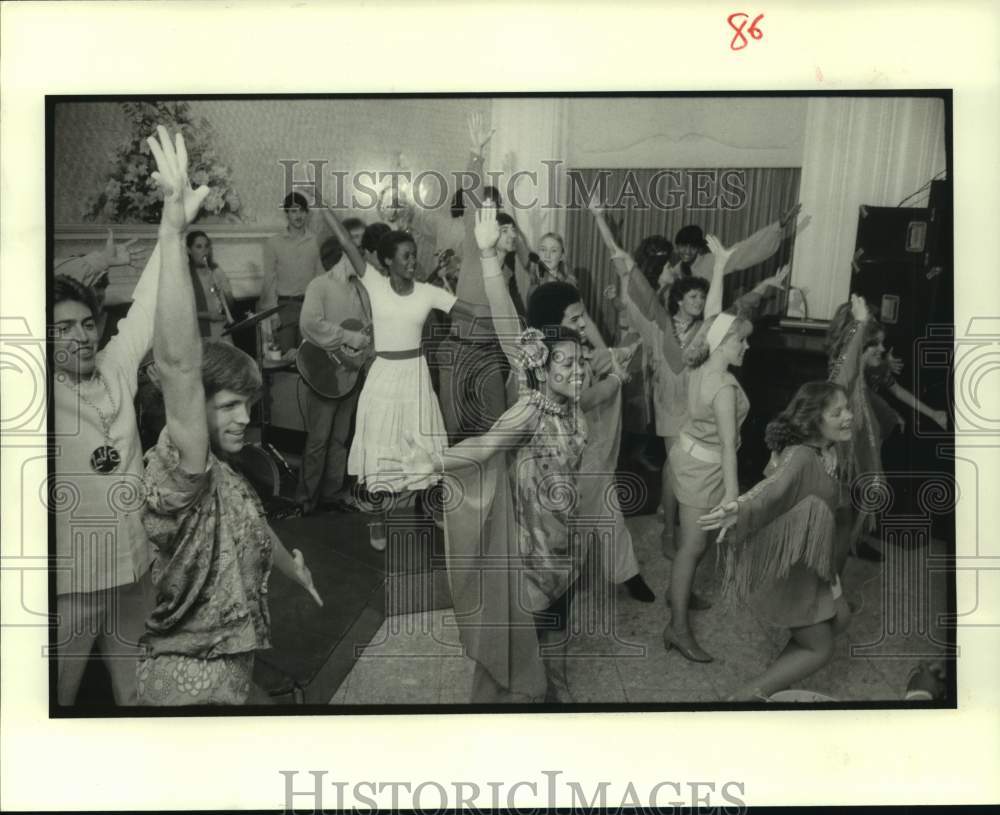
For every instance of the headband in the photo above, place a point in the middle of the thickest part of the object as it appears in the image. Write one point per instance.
(720, 328)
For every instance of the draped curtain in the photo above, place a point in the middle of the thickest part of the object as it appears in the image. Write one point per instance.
(859, 151)
(769, 192)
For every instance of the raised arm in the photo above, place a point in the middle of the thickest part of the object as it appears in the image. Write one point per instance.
(176, 341)
(470, 276)
(749, 304)
(761, 244)
(342, 235)
(713, 300)
(848, 367)
(506, 322)
(645, 311)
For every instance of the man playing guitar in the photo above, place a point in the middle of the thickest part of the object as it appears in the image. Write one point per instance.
(331, 300)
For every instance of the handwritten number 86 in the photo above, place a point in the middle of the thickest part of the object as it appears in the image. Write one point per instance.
(739, 38)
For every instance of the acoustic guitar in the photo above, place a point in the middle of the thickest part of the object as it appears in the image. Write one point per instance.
(333, 374)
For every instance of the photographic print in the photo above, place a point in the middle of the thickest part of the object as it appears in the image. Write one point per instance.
(517, 402)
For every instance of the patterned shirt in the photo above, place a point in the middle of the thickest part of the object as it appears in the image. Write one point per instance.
(212, 558)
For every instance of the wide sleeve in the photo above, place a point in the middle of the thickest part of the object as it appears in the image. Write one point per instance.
(755, 249)
(648, 317)
(781, 522)
(134, 338)
(312, 320)
(470, 276)
(862, 454)
(845, 370)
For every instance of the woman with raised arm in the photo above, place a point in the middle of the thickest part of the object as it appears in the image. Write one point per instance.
(666, 334)
(517, 485)
(397, 398)
(213, 547)
(780, 539)
(855, 349)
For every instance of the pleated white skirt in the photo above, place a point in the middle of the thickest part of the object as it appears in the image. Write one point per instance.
(397, 397)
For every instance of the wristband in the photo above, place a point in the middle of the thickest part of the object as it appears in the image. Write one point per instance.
(488, 253)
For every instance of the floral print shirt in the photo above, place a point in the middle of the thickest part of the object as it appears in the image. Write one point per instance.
(212, 558)
(545, 480)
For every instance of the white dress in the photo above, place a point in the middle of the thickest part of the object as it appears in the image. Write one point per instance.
(397, 395)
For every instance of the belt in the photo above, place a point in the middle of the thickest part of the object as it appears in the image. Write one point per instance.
(298, 298)
(413, 353)
(698, 451)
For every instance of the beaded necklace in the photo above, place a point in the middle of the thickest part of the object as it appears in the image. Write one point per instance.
(106, 458)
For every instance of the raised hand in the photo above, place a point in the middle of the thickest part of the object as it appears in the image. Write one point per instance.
(122, 254)
(789, 215)
(859, 309)
(303, 576)
(180, 202)
(722, 517)
(610, 291)
(479, 135)
(595, 205)
(487, 230)
(717, 249)
(778, 280)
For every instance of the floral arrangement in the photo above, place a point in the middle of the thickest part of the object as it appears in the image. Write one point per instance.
(130, 196)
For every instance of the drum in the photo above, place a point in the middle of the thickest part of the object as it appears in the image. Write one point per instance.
(271, 476)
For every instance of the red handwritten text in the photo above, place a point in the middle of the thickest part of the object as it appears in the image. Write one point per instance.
(737, 24)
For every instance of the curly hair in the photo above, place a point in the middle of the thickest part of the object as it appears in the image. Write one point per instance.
(651, 255)
(838, 332)
(800, 421)
(698, 351)
(373, 234)
(691, 235)
(548, 303)
(389, 244)
(69, 289)
(682, 287)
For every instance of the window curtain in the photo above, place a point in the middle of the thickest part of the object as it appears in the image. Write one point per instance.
(859, 151)
(769, 192)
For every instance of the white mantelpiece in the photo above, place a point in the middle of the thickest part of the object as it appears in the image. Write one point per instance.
(238, 249)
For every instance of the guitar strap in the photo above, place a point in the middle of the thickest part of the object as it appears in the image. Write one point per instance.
(362, 294)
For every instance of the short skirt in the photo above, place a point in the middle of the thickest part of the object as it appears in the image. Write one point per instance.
(800, 599)
(695, 483)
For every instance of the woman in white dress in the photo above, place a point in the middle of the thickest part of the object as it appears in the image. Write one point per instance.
(397, 400)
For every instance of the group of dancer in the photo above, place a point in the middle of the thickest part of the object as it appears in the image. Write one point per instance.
(525, 423)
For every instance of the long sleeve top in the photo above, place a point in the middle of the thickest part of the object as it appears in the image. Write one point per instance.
(789, 518)
(100, 542)
(750, 251)
(861, 456)
(290, 262)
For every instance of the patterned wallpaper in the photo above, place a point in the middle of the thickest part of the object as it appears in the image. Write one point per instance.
(351, 134)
